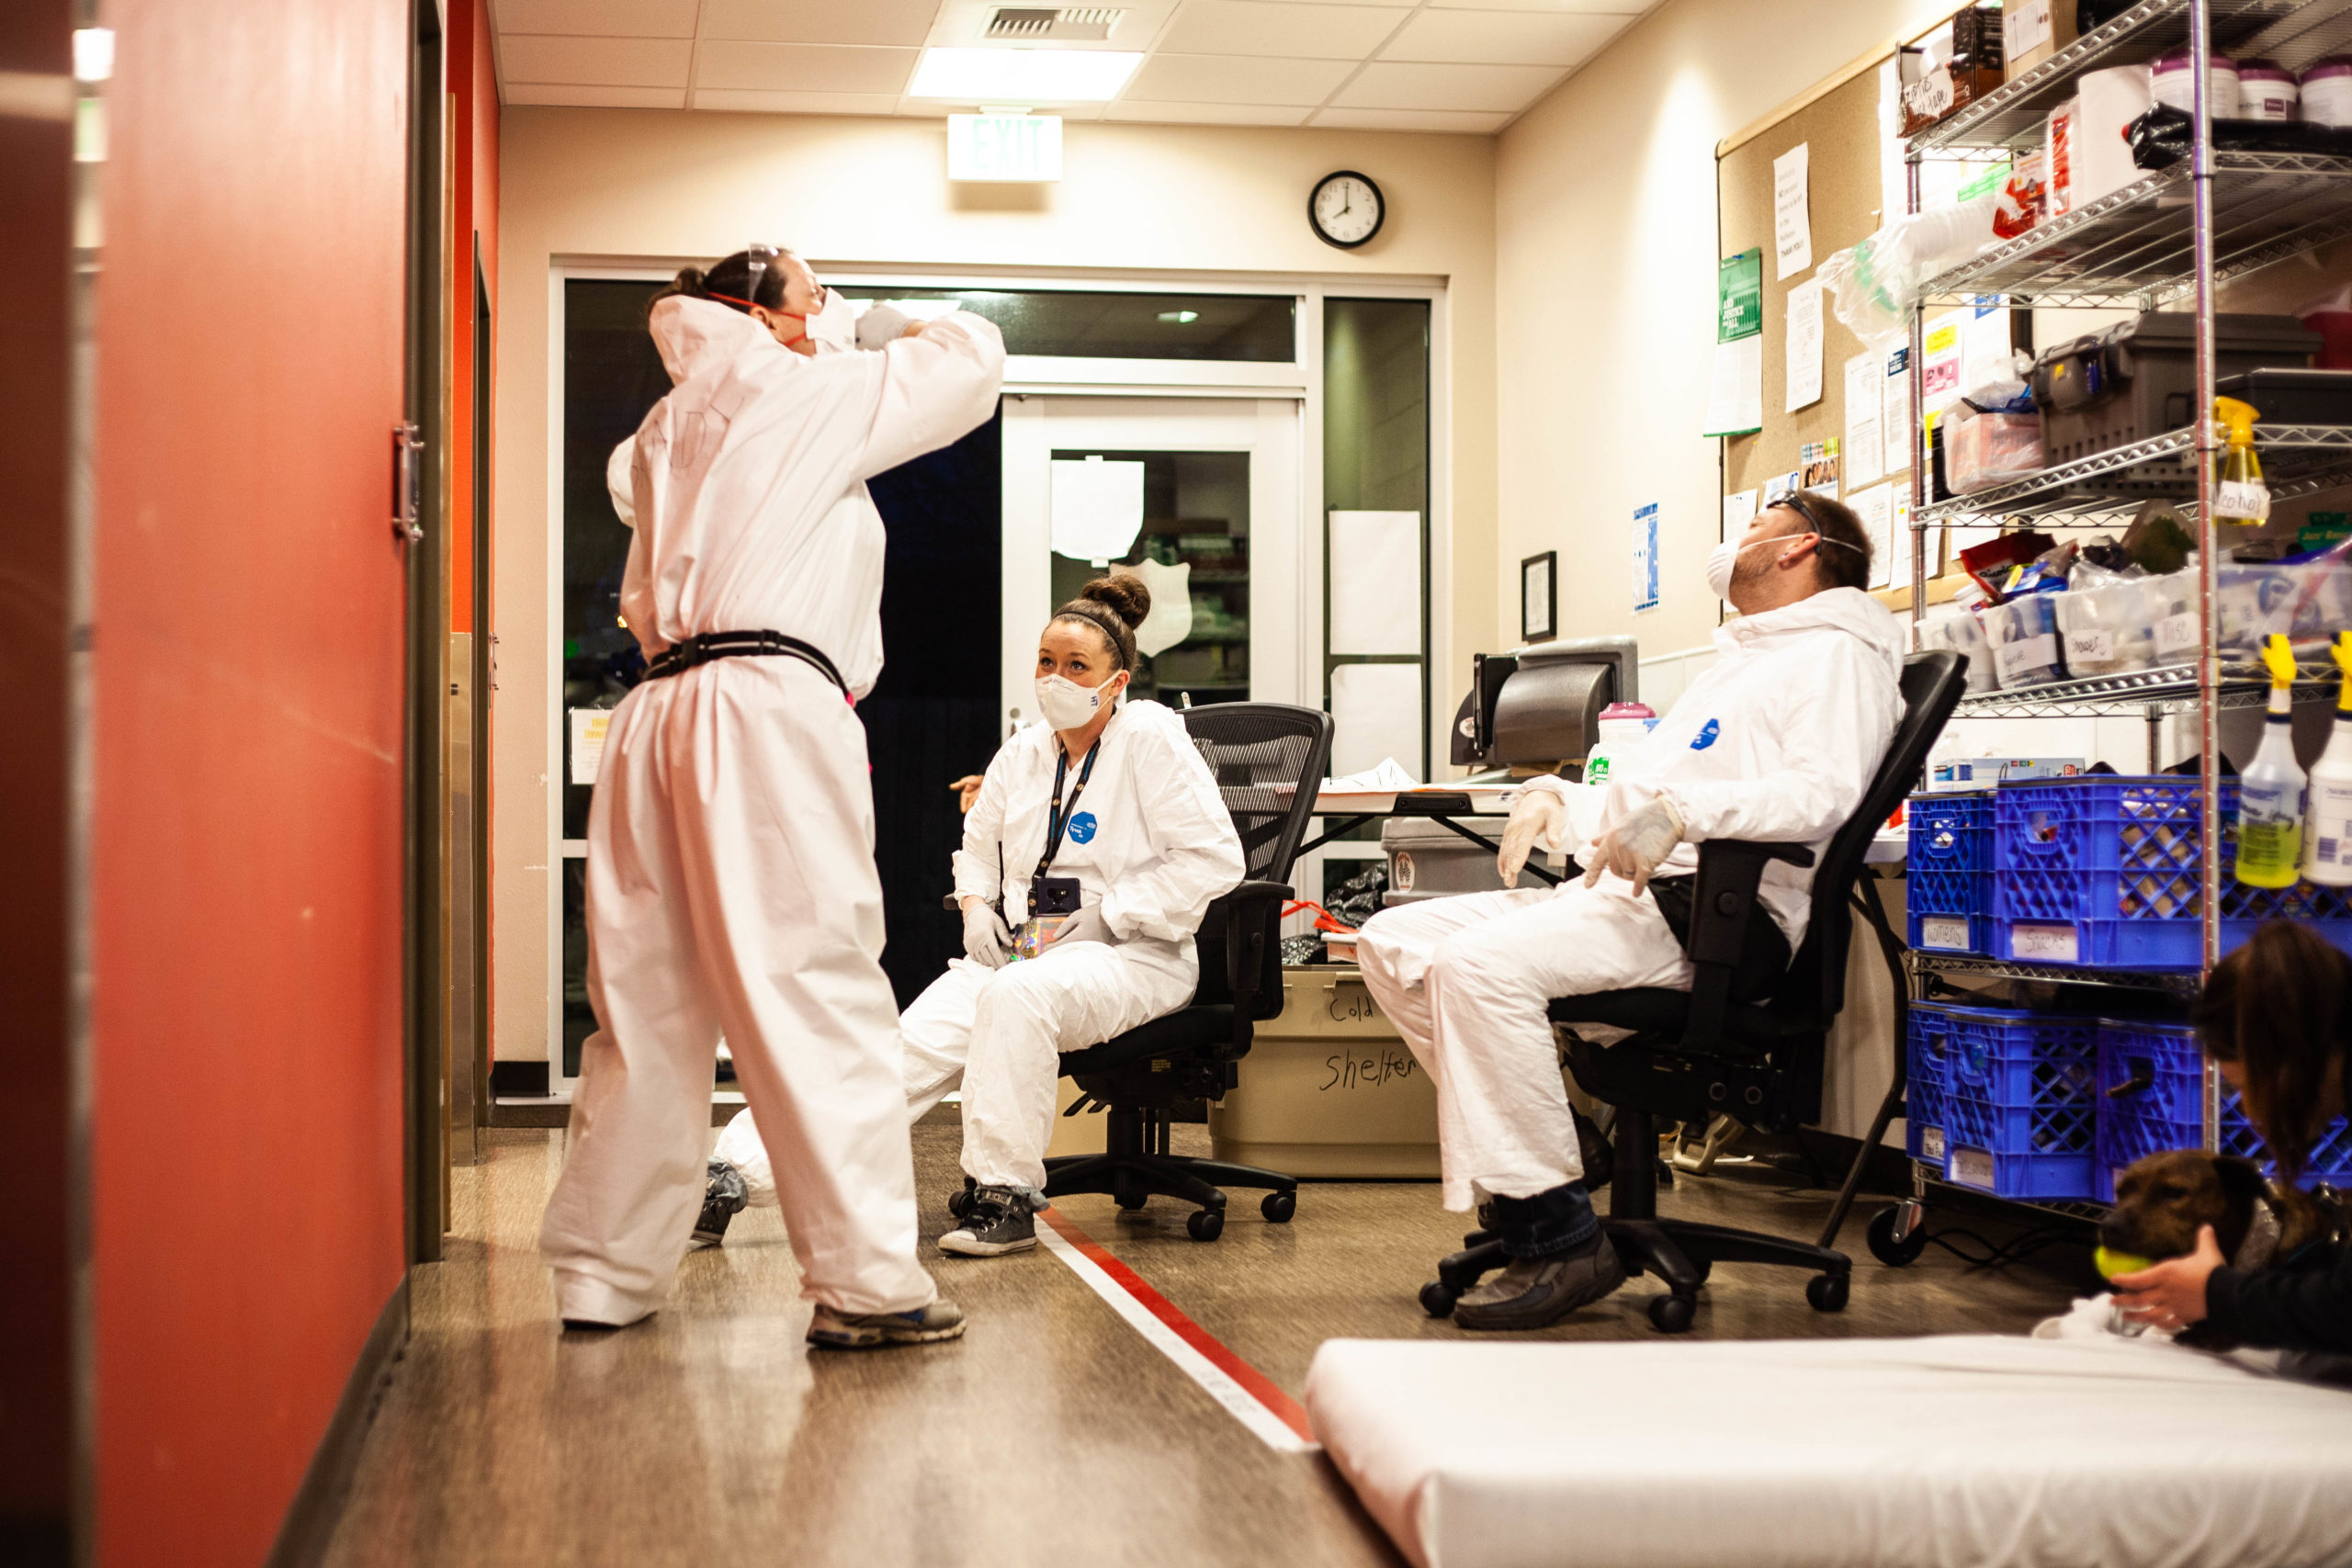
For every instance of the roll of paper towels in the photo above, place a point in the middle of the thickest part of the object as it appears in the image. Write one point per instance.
(2107, 103)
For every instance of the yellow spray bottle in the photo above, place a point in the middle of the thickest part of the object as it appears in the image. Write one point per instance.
(2240, 496)
(2327, 832)
(2270, 791)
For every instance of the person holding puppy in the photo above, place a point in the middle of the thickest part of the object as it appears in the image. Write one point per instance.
(2276, 1018)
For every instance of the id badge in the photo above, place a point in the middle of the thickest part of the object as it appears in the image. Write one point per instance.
(1053, 895)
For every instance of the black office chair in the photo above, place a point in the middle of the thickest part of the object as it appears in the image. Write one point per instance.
(1699, 1052)
(1268, 759)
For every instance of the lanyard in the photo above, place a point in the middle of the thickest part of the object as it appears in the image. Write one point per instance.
(1057, 820)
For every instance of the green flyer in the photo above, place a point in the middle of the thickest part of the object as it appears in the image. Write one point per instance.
(1740, 293)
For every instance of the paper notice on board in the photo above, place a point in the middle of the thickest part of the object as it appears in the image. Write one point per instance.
(1375, 715)
(1791, 212)
(1735, 401)
(1894, 183)
(1941, 361)
(1865, 451)
(1875, 507)
(1805, 345)
(588, 729)
(1739, 511)
(1894, 425)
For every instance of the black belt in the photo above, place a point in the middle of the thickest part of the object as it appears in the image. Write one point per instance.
(680, 657)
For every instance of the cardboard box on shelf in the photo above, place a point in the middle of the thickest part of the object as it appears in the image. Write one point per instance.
(2033, 31)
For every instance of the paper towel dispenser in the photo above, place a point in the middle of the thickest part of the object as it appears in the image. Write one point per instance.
(1540, 706)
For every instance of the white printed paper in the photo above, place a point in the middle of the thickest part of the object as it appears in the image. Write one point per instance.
(1736, 400)
(1985, 353)
(1791, 212)
(1875, 507)
(1375, 714)
(1805, 345)
(1940, 364)
(1646, 558)
(1781, 485)
(1894, 424)
(1739, 511)
(1098, 508)
(588, 729)
(1169, 619)
(1375, 582)
(1899, 529)
(1894, 184)
(1865, 450)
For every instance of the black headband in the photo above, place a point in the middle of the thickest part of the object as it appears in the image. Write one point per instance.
(1077, 607)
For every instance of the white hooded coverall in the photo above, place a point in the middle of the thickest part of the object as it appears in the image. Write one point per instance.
(732, 883)
(1776, 741)
(1152, 843)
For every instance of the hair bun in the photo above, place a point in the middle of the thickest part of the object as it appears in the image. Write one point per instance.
(1122, 593)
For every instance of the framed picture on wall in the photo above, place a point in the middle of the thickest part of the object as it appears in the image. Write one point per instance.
(1539, 597)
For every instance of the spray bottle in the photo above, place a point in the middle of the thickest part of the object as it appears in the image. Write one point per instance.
(2327, 834)
(2270, 792)
(2241, 497)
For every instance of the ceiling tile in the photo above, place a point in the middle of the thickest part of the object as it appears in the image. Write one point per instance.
(805, 67)
(596, 97)
(1556, 8)
(1268, 26)
(1229, 79)
(1411, 119)
(904, 22)
(605, 62)
(1504, 88)
(599, 19)
(1502, 38)
(1206, 114)
(757, 100)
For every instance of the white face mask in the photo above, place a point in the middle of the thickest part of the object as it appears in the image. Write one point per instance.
(833, 329)
(1724, 558)
(1066, 705)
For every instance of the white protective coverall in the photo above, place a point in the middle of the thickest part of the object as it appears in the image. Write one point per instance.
(1777, 741)
(732, 883)
(1151, 842)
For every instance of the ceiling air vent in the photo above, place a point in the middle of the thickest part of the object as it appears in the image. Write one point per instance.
(1091, 24)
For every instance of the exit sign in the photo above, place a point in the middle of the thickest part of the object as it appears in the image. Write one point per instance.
(1004, 147)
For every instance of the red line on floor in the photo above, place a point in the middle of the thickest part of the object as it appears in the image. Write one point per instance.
(1262, 1388)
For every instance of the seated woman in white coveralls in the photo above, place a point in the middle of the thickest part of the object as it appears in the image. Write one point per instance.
(1106, 809)
(1777, 741)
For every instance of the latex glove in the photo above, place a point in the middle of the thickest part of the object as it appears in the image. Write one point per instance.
(1537, 816)
(968, 790)
(1087, 925)
(882, 325)
(2172, 1295)
(986, 940)
(1637, 845)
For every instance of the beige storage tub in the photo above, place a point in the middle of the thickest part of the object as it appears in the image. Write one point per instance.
(1329, 1089)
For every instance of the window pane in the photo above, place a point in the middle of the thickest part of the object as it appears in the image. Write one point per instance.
(1090, 325)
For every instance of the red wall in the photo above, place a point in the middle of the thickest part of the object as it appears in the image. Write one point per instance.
(246, 880)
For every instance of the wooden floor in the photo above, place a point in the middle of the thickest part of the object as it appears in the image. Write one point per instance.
(1052, 1433)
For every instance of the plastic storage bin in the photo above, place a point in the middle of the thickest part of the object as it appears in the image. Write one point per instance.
(2152, 1093)
(2108, 631)
(2024, 635)
(2138, 380)
(2019, 1103)
(1982, 450)
(1330, 1088)
(2105, 871)
(1948, 872)
(1926, 1051)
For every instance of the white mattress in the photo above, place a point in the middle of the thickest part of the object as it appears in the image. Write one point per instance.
(1910, 1453)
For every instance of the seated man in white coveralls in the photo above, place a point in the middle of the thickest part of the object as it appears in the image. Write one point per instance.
(1777, 741)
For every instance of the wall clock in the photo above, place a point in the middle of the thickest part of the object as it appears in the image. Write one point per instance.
(1346, 209)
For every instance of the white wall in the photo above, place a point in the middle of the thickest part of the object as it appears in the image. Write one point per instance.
(638, 186)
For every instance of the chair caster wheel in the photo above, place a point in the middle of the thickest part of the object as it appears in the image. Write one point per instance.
(1206, 1225)
(1438, 1297)
(960, 1204)
(1673, 1315)
(1886, 1248)
(1278, 1207)
(1128, 1195)
(1827, 1292)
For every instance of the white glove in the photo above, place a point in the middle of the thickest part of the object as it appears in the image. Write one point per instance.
(882, 325)
(1087, 925)
(1638, 845)
(986, 941)
(1537, 816)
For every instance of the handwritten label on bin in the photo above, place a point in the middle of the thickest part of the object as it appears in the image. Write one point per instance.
(1350, 1004)
(1948, 931)
(1367, 1069)
(2044, 945)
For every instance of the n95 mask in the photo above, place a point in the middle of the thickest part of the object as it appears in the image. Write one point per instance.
(833, 329)
(1066, 705)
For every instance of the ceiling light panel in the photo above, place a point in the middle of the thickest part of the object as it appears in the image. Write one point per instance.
(1031, 76)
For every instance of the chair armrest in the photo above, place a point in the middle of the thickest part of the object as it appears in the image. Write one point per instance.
(1730, 872)
(1261, 892)
(1245, 949)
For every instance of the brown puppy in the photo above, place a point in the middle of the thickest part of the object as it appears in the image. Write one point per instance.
(2160, 1202)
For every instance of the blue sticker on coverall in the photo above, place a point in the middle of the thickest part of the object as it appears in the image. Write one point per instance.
(1707, 733)
(1082, 828)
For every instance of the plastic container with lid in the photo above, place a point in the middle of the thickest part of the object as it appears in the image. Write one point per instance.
(2173, 86)
(1623, 727)
(2107, 631)
(2266, 90)
(2327, 91)
(2024, 635)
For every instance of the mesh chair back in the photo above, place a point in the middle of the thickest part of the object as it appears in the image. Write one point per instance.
(1932, 685)
(1268, 759)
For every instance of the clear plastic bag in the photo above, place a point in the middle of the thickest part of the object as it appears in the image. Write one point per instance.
(1876, 281)
(1982, 450)
(2108, 626)
(1955, 627)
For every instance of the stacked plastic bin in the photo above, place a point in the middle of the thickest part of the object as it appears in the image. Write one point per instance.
(2152, 1092)
(2019, 1103)
(1948, 872)
(2106, 871)
(1928, 1053)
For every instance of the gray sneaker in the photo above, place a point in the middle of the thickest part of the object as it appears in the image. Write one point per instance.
(1537, 1292)
(723, 1197)
(832, 1330)
(999, 1220)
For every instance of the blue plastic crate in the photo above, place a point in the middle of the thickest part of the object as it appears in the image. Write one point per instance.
(2152, 1097)
(1930, 1046)
(2008, 1057)
(1948, 880)
(2105, 871)
(2043, 1151)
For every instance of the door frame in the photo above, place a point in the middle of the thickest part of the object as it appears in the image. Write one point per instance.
(1026, 376)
